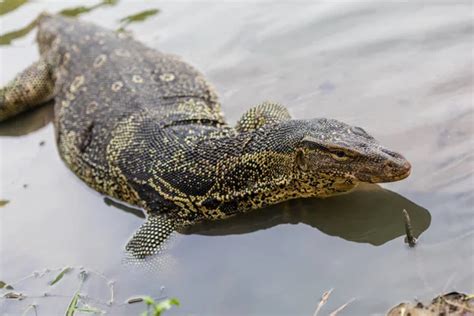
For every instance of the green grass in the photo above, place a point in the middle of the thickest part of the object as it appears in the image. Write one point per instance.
(155, 308)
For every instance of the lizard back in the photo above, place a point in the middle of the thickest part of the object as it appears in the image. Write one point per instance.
(108, 84)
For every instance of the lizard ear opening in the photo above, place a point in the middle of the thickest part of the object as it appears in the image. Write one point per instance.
(300, 160)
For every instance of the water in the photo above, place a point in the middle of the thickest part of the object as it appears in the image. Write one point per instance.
(403, 71)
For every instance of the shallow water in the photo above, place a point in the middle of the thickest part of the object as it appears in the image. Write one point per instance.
(402, 71)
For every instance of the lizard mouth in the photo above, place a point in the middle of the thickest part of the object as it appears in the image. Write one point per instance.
(404, 175)
(390, 172)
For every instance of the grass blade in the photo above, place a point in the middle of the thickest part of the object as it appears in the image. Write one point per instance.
(341, 308)
(60, 276)
(72, 305)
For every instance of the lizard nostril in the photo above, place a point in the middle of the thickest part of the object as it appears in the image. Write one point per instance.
(407, 167)
(392, 169)
(388, 168)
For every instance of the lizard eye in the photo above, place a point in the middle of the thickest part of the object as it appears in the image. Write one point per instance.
(339, 155)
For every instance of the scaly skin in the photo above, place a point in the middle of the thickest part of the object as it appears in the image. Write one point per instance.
(146, 128)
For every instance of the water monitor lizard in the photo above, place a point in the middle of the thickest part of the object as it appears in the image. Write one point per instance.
(146, 128)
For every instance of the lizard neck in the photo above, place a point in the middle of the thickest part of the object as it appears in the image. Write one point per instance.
(258, 168)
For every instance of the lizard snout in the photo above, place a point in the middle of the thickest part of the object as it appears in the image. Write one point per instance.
(396, 168)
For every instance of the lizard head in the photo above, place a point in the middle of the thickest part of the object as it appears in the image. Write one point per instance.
(346, 153)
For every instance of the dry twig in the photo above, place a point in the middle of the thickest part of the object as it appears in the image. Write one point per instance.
(410, 239)
(323, 301)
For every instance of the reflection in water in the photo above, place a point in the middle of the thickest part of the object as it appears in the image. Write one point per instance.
(369, 214)
(28, 122)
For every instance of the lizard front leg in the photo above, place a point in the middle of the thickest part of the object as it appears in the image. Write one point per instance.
(31, 87)
(262, 114)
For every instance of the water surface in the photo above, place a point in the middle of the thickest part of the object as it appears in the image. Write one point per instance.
(403, 71)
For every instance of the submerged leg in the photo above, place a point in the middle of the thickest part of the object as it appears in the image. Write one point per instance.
(150, 239)
(33, 86)
(262, 114)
